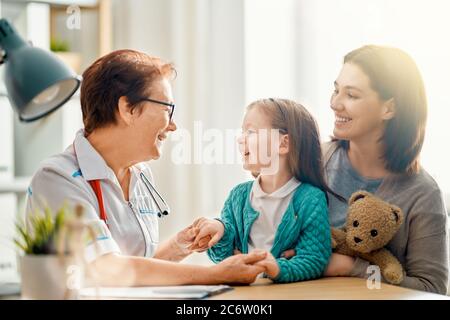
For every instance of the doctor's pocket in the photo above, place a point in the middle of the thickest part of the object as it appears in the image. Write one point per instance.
(149, 215)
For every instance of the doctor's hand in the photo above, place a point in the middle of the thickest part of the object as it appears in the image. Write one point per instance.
(241, 268)
(210, 231)
(185, 238)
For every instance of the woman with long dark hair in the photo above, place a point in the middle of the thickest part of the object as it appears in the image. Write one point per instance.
(380, 109)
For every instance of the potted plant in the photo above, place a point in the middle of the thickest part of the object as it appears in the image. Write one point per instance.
(48, 267)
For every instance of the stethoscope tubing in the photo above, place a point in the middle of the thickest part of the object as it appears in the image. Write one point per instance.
(150, 187)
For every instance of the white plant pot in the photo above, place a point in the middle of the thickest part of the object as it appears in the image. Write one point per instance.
(49, 277)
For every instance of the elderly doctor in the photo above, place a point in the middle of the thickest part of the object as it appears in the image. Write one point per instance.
(127, 107)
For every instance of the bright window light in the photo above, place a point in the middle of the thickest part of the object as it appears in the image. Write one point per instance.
(295, 49)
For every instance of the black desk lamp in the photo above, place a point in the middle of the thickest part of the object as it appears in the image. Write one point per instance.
(37, 82)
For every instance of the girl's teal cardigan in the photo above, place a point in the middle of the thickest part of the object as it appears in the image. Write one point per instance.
(304, 227)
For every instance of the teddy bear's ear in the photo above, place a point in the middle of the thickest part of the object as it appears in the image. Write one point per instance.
(358, 195)
(397, 214)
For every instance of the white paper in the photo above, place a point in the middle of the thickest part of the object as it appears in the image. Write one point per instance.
(169, 292)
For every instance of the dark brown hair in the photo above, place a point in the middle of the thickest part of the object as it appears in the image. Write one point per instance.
(305, 155)
(394, 74)
(120, 73)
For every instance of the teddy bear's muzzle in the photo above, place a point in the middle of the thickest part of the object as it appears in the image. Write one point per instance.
(357, 240)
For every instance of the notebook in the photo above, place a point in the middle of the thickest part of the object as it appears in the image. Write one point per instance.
(169, 292)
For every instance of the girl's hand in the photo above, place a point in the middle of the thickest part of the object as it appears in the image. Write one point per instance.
(210, 231)
(339, 265)
(270, 266)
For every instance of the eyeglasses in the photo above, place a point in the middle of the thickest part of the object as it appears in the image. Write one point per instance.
(170, 105)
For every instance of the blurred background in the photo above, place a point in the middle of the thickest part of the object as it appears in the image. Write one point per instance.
(227, 54)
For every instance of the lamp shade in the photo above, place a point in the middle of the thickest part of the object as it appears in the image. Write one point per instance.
(37, 81)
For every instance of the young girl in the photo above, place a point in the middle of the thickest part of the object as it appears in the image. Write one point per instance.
(286, 206)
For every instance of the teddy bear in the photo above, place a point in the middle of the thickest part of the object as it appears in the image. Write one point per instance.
(371, 224)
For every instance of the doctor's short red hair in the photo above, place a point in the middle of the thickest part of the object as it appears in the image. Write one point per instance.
(120, 73)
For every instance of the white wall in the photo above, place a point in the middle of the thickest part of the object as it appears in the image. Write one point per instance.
(7, 200)
(6, 140)
(270, 55)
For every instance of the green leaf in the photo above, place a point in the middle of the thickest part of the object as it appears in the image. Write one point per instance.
(25, 237)
(43, 230)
